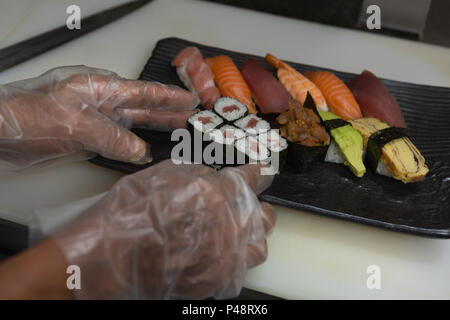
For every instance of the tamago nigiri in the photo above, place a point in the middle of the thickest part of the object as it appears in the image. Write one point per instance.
(230, 81)
(297, 84)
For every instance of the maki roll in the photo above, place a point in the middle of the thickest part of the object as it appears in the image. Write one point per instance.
(346, 143)
(252, 124)
(389, 151)
(230, 109)
(277, 146)
(251, 150)
(199, 125)
(204, 121)
(223, 144)
(303, 129)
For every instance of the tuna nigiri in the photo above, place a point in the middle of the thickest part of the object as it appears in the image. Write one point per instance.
(375, 100)
(297, 84)
(268, 92)
(338, 96)
(196, 75)
(230, 81)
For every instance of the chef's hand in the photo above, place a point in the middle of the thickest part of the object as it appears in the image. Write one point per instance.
(80, 111)
(171, 231)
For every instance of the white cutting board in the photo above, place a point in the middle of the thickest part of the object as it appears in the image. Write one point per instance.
(309, 256)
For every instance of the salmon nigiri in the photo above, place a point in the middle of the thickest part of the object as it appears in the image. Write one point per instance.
(338, 96)
(230, 81)
(297, 84)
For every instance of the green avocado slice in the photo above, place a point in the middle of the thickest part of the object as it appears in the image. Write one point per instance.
(350, 142)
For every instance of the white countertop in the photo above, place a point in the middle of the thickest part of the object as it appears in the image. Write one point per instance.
(309, 256)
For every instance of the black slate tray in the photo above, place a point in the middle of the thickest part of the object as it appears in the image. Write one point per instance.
(421, 208)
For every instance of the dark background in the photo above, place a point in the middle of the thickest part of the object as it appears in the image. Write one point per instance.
(345, 13)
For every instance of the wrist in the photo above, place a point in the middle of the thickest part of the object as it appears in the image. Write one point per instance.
(85, 244)
(38, 273)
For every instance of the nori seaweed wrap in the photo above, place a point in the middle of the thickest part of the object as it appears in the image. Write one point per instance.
(304, 130)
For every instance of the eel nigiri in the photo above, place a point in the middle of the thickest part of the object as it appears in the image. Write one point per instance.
(375, 100)
(196, 75)
(268, 92)
(338, 96)
(389, 151)
(297, 84)
(230, 81)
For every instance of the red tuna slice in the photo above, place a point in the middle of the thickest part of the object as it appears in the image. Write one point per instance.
(205, 120)
(231, 108)
(268, 92)
(196, 75)
(375, 100)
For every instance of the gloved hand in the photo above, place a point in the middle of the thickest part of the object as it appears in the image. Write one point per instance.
(171, 231)
(73, 109)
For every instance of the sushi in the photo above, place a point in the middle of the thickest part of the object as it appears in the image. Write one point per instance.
(296, 84)
(338, 96)
(375, 100)
(389, 151)
(196, 76)
(303, 129)
(252, 124)
(200, 123)
(277, 146)
(230, 81)
(346, 143)
(222, 147)
(268, 92)
(251, 150)
(230, 109)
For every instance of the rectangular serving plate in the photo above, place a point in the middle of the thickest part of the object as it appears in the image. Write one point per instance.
(331, 190)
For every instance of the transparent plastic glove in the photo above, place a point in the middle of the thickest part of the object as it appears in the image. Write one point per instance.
(80, 111)
(171, 231)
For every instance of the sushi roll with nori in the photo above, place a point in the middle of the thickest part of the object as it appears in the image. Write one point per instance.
(223, 144)
(230, 109)
(252, 124)
(307, 138)
(389, 151)
(346, 143)
(204, 121)
(277, 145)
(251, 150)
(199, 125)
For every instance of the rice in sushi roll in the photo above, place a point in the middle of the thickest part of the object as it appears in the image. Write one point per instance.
(204, 121)
(223, 144)
(199, 125)
(251, 150)
(252, 124)
(230, 109)
(277, 145)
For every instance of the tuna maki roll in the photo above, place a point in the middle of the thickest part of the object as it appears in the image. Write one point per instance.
(278, 147)
(389, 151)
(223, 144)
(230, 109)
(308, 140)
(204, 121)
(346, 143)
(251, 150)
(199, 125)
(252, 124)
